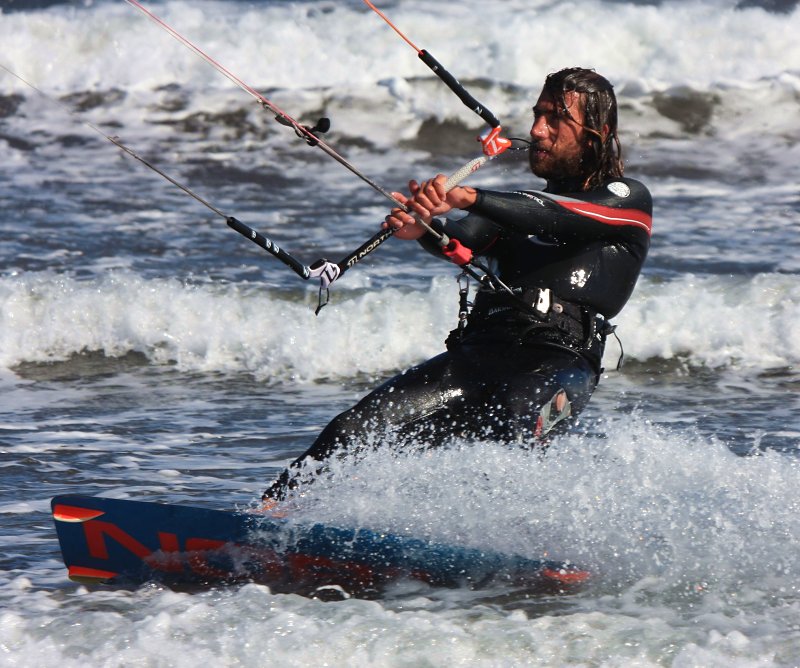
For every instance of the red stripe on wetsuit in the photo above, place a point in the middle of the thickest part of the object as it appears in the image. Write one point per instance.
(609, 215)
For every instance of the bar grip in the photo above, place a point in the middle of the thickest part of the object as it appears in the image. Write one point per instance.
(454, 85)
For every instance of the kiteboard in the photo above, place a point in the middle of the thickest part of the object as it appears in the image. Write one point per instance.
(118, 541)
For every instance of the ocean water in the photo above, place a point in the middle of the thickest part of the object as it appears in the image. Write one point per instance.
(147, 351)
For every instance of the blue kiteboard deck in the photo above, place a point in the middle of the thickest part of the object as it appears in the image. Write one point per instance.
(120, 541)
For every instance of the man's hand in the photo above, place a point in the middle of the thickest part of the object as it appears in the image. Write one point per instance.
(427, 200)
(405, 225)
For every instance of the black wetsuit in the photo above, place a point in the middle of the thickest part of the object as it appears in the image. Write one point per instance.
(525, 360)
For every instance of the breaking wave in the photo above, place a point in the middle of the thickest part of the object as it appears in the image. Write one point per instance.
(44, 318)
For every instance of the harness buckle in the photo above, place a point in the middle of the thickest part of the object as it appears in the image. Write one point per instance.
(544, 301)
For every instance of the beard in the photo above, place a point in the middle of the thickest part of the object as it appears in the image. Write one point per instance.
(555, 166)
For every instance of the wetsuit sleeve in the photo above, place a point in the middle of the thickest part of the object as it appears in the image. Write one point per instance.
(619, 212)
(605, 213)
(474, 231)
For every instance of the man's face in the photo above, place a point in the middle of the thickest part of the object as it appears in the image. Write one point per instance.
(557, 141)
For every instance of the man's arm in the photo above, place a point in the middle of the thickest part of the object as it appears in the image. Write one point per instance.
(622, 207)
(427, 200)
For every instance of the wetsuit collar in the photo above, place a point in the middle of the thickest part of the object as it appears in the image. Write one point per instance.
(559, 186)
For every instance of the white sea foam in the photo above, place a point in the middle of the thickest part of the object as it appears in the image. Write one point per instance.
(217, 327)
(630, 501)
(681, 535)
(711, 321)
(716, 321)
(307, 44)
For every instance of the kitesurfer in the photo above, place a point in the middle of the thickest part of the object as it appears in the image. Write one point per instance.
(562, 262)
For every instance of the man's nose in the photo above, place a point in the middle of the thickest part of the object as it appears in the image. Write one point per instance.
(539, 127)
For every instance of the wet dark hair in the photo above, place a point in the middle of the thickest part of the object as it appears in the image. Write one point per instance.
(603, 156)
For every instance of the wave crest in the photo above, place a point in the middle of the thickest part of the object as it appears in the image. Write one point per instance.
(712, 322)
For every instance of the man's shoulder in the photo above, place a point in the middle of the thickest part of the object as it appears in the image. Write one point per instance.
(623, 186)
(622, 192)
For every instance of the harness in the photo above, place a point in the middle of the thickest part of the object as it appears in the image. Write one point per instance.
(526, 315)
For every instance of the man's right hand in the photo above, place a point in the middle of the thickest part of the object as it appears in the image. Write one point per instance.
(427, 200)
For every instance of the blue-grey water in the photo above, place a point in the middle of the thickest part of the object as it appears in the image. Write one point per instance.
(147, 351)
